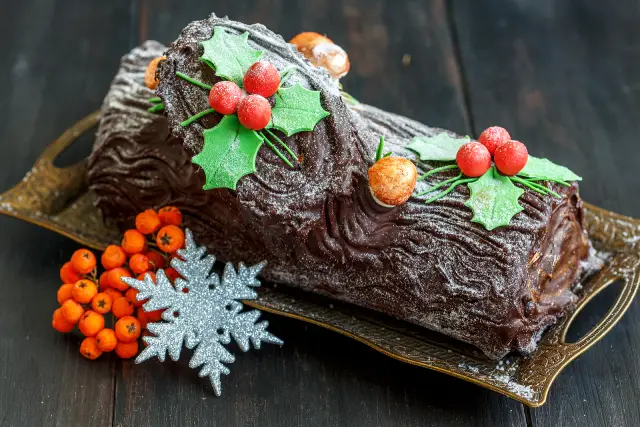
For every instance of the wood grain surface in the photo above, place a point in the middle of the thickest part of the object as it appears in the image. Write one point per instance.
(562, 76)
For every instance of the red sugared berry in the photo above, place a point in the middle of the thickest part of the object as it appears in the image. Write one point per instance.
(262, 78)
(493, 137)
(225, 96)
(511, 157)
(254, 112)
(473, 159)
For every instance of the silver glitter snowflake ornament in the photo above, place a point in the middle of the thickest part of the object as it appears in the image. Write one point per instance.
(202, 311)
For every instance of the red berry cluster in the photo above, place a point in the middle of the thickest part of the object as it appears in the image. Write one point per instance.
(474, 158)
(261, 81)
(104, 308)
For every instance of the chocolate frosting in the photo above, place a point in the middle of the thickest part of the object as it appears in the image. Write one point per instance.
(318, 226)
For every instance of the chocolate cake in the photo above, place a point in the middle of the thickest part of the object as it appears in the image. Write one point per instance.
(317, 224)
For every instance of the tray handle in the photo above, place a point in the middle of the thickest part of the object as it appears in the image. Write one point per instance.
(64, 141)
(623, 267)
(47, 188)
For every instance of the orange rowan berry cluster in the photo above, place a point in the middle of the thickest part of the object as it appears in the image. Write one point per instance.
(86, 298)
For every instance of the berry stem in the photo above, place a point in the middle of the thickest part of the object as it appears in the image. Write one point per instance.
(197, 116)
(156, 108)
(285, 75)
(542, 187)
(154, 100)
(450, 189)
(193, 81)
(535, 187)
(529, 185)
(380, 148)
(442, 184)
(436, 170)
(349, 98)
(281, 142)
(557, 181)
(274, 148)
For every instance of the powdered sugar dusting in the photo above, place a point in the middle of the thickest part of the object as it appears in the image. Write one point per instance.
(504, 375)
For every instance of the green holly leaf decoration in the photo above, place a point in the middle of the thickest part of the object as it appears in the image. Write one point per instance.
(297, 109)
(229, 153)
(494, 199)
(441, 147)
(547, 170)
(229, 54)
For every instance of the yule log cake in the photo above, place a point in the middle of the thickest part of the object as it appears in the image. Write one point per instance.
(477, 240)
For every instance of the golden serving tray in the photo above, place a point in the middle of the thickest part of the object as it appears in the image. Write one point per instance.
(58, 199)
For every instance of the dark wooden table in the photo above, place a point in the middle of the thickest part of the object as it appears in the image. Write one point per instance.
(562, 76)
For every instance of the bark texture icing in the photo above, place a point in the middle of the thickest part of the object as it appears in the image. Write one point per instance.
(318, 226)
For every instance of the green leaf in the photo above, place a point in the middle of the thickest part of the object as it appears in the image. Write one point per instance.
(494, 199)
(229, 54)
(229, 153)
(547, 170)
(297, 109)
(441, 147)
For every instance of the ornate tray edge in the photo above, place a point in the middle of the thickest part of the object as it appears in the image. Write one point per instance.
(614, 232)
